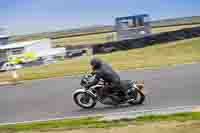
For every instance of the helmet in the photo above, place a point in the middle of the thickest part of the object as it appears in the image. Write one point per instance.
(95, 63)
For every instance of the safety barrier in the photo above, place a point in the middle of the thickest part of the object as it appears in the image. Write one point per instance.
(160, 38)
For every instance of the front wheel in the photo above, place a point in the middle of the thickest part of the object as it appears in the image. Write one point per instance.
(84, 100)
(139, 98)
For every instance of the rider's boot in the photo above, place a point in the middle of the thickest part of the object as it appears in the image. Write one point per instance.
(130, 94)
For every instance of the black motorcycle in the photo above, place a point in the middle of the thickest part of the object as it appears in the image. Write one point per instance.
(88, 97)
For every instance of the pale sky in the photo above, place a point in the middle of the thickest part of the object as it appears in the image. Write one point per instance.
(30, 16)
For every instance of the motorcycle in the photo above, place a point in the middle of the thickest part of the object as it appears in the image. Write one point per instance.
(88, 97)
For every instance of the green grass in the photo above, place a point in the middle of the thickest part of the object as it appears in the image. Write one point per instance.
(67, 124)
(85, 39)
(173, 28)
(155, 56)
(95, 122)
(173, 117)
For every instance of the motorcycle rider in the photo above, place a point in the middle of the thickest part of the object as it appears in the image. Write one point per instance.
(101, 70)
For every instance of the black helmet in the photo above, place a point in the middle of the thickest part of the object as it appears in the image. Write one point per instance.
(95, 63)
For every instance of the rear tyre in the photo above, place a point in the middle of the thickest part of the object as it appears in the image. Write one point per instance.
(139, 99)
(84, 100)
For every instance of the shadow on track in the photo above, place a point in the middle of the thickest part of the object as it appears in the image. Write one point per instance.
(110, 108)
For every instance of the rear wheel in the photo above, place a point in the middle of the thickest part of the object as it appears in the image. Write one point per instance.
(84, 100)
(140, 97)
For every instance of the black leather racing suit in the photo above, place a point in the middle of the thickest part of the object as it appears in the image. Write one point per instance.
(105, 72)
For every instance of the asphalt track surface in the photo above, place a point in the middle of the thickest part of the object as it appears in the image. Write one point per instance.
(52, 98)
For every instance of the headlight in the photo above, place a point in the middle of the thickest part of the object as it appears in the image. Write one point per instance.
(86, 79)
(83, 82)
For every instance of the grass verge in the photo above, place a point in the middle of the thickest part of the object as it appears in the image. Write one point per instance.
(180, 52)
(173, 28)
(94, 122)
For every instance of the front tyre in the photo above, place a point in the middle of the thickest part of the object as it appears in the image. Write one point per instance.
(84, 100)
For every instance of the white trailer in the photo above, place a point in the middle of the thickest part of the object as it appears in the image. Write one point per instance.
(41, 48)
(36, 49)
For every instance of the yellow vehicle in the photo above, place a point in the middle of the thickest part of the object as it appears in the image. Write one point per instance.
(22, 58)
